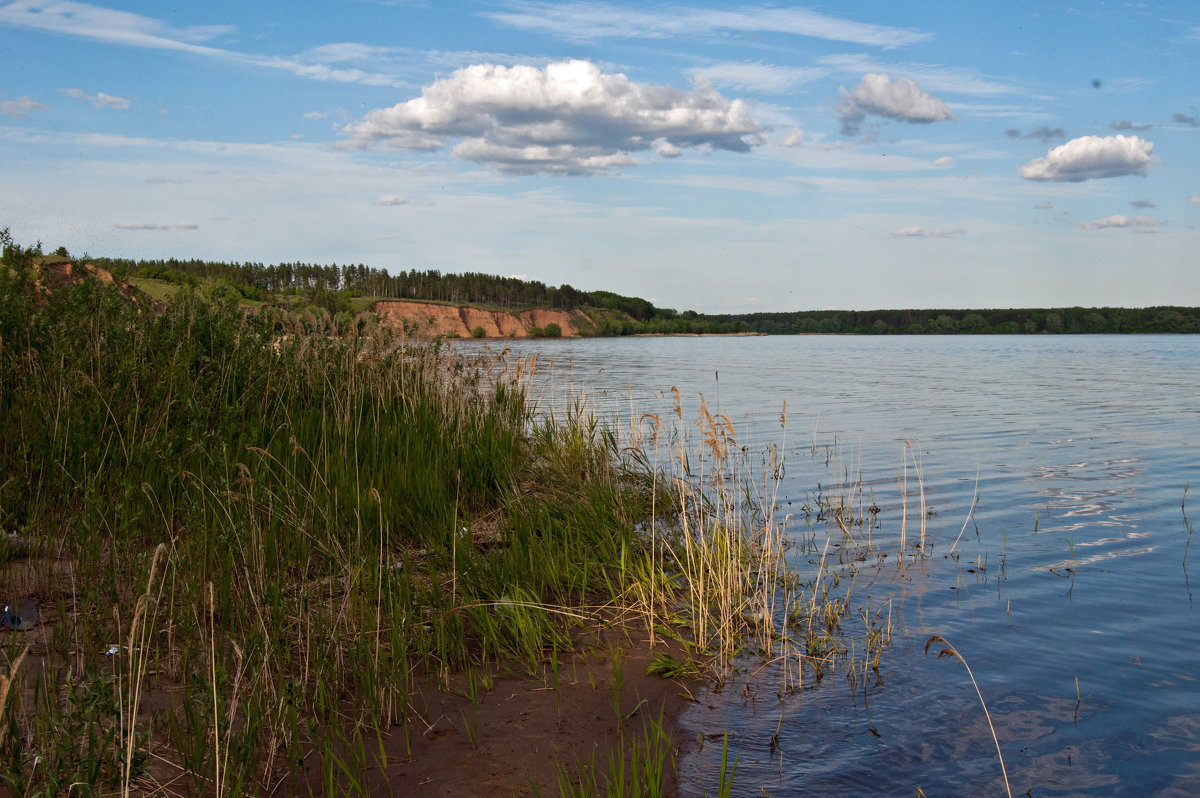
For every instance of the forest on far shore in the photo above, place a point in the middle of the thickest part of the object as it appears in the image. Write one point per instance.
(334, 288)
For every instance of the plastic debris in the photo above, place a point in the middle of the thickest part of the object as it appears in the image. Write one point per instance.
(21, 615)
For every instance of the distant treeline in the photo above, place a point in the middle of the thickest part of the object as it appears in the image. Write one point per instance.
(975, 322)
(328, 286)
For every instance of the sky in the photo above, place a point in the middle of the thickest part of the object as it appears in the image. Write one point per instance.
(721, 157)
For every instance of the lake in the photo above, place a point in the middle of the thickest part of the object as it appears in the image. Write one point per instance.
(1067, 593)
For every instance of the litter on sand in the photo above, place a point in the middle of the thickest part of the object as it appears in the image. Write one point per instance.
(20, 615)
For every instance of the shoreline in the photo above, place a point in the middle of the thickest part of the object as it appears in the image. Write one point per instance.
(517, 735)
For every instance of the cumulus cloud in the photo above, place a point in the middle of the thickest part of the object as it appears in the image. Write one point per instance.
(925, 232)
(389, 199)
(100, 100)
(1090, 158)
(20, 107)
(156, 226)
(1120, 220)
(1125, 124)
(1184, 119)
(567, 118)
(944, 161)
(877, 95)
(1042, 133)
(1143, 204)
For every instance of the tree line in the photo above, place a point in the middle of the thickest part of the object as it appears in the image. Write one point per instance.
(329, 285)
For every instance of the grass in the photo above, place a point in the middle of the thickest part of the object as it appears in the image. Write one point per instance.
(282, 517)
(952, 652)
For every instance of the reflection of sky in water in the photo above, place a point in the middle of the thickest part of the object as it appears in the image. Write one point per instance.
(1070, 567)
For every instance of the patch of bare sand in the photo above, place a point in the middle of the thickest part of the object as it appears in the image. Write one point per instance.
(522, 727)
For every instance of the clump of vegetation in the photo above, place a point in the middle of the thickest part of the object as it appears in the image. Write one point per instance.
(270, 522)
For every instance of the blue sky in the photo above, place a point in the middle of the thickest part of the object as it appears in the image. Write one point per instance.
(721, 157)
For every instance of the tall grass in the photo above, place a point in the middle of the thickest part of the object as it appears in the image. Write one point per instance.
(274, 521)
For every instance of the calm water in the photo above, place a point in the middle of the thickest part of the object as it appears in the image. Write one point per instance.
(1072, 567)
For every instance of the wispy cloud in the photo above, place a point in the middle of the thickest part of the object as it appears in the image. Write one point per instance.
(1126, 125)
(20, 107)
(100, 100)
(1185, 119)
(124, 28)
(156, 226)
(1091, 158)
(1042, 133)
(590, 21)
(389, 200)
(925, 232)
(1121, 221)
(1142, 205)
(757, 76)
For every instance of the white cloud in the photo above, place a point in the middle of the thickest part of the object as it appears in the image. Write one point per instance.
(591, 21)
(1120, 220)
(100, 100)
(1194, 199)
(156, 226)
(924, 232)
(944, 161)
(348, 51)
(1092, 157)
(87, 21)
(314, 115)
(877, 95)
(568, 118)
(794, 138)
(757, 76)
(105, 24)
(20, 107)
(666, 149)
(1125, 124)
(390, 199)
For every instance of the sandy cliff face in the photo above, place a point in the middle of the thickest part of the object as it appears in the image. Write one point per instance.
(432, 320)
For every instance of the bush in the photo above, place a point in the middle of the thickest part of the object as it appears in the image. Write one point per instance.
(477, 332)
(552, 330)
